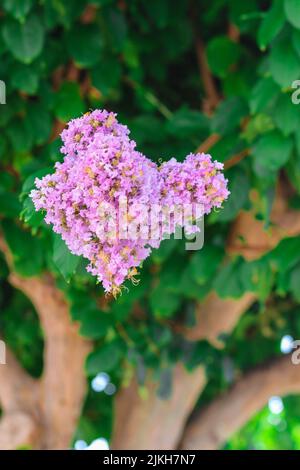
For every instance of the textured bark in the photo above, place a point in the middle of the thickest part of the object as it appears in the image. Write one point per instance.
(250, 239)
(216, 316)
(20, 424)
(49, 407)
(228, 413)
(152, 422)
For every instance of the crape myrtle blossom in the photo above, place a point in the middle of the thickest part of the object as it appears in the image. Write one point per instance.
(103, 174)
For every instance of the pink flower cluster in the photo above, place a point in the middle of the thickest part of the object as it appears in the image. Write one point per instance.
(102, 169)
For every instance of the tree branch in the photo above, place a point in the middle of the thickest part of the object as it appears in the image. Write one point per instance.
(63, 383)
(228, 413)
(212, 97)
(17, 389)
(153, 423)
(216, 316)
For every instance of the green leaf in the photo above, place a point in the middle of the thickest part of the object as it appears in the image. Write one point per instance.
(116, 28)
(63, 259)
(29, 183)
(257, 276)
(257, 125)
(228, 115)
(295, 282)
(68, 102)
(221, 54)
(27, 251)
(18, 9)
(163, 303)
(293, 170)
(95, 324)
(271, 24)
(239, 187)
(204, 263)
(161, 254)
(29, 215)
(24, 40)
(284, 64)
(9, 204)
(287, 254)
(105, 358)
(186, 123)
(85, 44)
(20, 135)
(263, 94)
(106, 75)
(228, 282)
(40, 122)
(296, 40)
(292, 12)
(272, 150)
(25, 78)
(286, 114)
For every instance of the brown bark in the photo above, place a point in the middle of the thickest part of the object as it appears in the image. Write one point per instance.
(55, 400)
(216, 316)
(228, 413)
(143, 422)
(20, 424)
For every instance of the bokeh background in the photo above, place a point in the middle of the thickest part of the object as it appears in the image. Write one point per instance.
(183, 75)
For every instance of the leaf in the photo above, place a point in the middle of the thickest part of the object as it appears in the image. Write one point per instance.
(9, 204)
(257, 125)
(27, 251)
(40, 122)
(204, 263)
(257, 276)
(221, 54)
(24, 40)
(228, 115)
(163, 303)
(95, 324)
(284, 64)
(18, 9)
(295, 282)
(272, 150)
(63, 259)
(187, 122)
(293, 170)
(287, 254)
(286, 114)
(292, 12)
(29, 215)
(106, 75)
(68, 103)
(271, 24)
(228, 282)
(296, 41)
(239, 187)
(105, 358)
(25, 78)
(84, 44)
(29, 183)
(263, 94)
(20, 135)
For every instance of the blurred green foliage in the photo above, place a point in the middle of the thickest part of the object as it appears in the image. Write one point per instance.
(60, 58)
